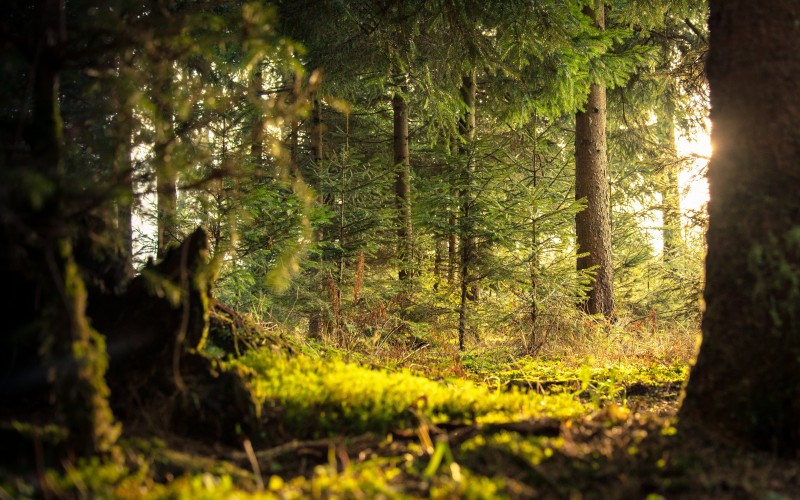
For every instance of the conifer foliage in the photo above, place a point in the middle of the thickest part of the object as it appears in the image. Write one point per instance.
(368, 173)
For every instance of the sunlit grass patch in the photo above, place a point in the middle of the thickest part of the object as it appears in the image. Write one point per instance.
(589, 370)
(312, 397)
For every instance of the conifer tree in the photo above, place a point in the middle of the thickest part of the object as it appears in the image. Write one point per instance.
(593, 225)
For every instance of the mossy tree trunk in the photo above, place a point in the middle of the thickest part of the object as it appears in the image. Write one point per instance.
(76, 351)
(745, 386)
(593, 224)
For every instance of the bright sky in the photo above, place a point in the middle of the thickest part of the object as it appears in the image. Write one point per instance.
(692, 180)
(694, 186)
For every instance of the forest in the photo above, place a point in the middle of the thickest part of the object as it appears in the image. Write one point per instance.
(399, 249)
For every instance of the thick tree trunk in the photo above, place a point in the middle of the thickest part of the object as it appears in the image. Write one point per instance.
(402, 187)
(469, 285)
(593, 224)
(746, 383)
(76, 351)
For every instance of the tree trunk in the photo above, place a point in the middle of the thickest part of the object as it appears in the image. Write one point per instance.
(452, 242)
(670, 190)
(438, 261)
(466, 226)
(746, 382)
(316, 322)
(77, 352)
(123, 167)
(593, 224)
(535, 261)
(257, 134)
(123, 171)
(316, 132)
(166, 173)
(402, 186)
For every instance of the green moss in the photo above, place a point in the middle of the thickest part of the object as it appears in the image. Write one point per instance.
(319, 397)
(83, 397)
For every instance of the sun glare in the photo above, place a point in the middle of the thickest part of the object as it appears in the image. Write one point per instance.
(694, 185)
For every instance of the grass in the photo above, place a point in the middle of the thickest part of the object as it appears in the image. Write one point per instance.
(591, 416)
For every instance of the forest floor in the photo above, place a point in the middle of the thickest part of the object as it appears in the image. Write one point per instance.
(430, 422)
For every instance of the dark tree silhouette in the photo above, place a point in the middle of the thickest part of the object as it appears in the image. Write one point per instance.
(746, 383)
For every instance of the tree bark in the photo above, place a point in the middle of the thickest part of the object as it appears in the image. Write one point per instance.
(257, 134)
(466, 125)
(166, 173)
(535, 261)
(123, 168)
(77, 352)
(670, 190)
(593, 224)
(746, 382)
(402, 186)
(316, 322)
(316, 132)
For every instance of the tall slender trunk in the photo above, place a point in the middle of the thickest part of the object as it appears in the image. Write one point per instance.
(77, 352)
(124, 168)
(439, 261)
(534, 259)
(402, 186)
(452, 218)
(466, 226)
(293, 131)
(342, 232)
(593, 224)
(166, 171)
(257, 134)
(316, 322)
(316, 131)
(745, 384)
(670, 193)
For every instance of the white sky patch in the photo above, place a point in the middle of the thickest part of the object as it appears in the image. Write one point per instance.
(692, 179)
(696, 148)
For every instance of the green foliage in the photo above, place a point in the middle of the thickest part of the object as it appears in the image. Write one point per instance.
(534, 64)
(221, 104)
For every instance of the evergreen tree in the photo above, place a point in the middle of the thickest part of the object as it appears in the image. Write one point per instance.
(593, 225)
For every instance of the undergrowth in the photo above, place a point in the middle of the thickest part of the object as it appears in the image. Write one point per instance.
(593, 413)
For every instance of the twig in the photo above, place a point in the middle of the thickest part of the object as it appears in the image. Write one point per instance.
(251, 455)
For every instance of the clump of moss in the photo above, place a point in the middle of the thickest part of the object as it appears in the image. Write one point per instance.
(313, 397)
